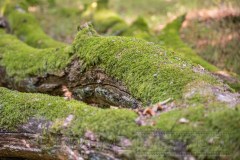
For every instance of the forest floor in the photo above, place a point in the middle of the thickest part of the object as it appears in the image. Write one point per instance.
(60, 19)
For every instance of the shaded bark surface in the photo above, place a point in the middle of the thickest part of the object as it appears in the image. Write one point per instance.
(20, 145)
(92, 86)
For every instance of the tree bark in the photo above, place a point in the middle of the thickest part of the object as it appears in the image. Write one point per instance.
(107, 71)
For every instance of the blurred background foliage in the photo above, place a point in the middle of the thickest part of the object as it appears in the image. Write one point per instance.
(59, 18)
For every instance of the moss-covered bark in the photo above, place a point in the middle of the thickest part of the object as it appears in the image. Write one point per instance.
(108, 22)
(149, 71)
(46, 70)
(58, 128)
(120, 71)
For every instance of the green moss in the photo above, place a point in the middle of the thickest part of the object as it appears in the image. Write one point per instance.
(102, 4)
(150, 71)
(17, 108)
(26, 27)
(139, 29)
(170, 38)
(213, 129)
(117, 29)
(141, 23)
(235, 86)
(104, 19)
(22, 61)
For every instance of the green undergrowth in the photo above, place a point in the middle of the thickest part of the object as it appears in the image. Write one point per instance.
(217, 41)
(212, 130)
(139, 29)
(59, 21)
(26, 27)
(151, 72)
(105, 21)
(22, 61)
(170, 38)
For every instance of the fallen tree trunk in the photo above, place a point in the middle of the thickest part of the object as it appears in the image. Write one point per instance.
(42, 134)
(36, 126)
(116, 71)
(91, 85)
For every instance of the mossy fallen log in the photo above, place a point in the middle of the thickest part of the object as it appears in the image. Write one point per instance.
(47, 70)
(35, 126)
(170, 37)
(119, 71)
(108, 22)
(134, 67)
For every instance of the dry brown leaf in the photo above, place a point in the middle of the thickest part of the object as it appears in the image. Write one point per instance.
(67, 94)
(149, 111)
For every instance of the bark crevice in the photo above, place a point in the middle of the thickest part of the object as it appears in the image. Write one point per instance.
(92, 86)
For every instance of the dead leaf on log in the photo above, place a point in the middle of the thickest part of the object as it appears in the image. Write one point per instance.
(149, 111)
(67, 94)
(153, 110)
(144, 118)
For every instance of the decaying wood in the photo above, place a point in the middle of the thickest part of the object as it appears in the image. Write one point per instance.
(32, 140)
(92, 86)
(35, 140)
(26, 145)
